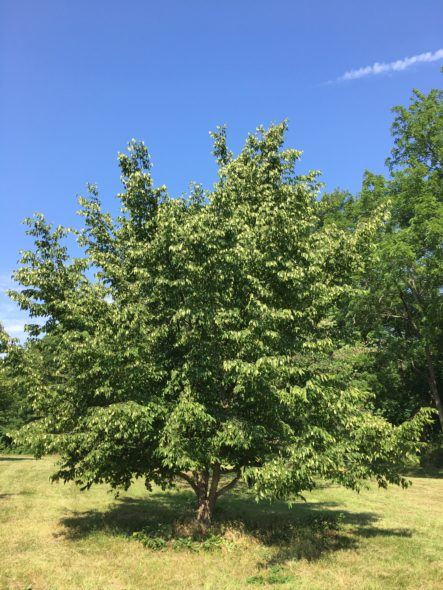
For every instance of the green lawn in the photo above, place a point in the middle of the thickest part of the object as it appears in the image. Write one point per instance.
(56, 537)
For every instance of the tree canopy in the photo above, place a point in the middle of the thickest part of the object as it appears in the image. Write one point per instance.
(201, 338)
(15, 364)
(402, 315)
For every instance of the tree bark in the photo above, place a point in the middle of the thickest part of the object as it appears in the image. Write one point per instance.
(432, 381)
(207, 492)
(205, 513)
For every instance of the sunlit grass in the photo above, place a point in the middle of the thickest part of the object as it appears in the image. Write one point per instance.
(56, 537)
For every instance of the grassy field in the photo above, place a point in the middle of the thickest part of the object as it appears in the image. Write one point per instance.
(56, 537)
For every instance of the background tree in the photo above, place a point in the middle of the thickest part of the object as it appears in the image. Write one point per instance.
(15, 408)
(207, 347)
(401, 317)
(416, 244)
(5, 394)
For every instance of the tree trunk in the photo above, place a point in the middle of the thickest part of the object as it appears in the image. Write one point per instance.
(432, 381)
(205, 512)
(207, 491)
(207, 496)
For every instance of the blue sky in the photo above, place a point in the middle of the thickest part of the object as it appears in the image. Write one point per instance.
(79, 79)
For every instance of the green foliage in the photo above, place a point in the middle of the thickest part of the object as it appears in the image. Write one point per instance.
(163, 537)
(275, 575)
(180, 543)
(15, 408)
(149, 541)
(4, 339)
(401, 315)
(209, 341)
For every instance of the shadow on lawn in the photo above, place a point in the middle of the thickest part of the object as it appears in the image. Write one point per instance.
(306, 530)
(15, 495)
(426, 472)
(6, 458)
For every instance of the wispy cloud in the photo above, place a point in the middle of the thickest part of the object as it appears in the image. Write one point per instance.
(393, 66)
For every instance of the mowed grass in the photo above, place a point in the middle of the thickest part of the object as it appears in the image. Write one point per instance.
(53, 536)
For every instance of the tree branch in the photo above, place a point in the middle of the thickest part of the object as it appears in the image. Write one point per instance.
(224, 470)
(214, 482)
(408, 312)
(189, 480)
(229, 485)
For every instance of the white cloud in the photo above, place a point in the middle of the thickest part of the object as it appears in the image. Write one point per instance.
(14, 327)
(393, 66)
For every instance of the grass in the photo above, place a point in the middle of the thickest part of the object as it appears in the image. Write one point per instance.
(56, 537)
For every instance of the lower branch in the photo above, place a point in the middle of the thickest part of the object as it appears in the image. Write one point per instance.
(189, 480)
(229, 485)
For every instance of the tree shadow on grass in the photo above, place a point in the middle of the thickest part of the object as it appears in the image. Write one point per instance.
(427, 472)
(307, 530)
(126, 515)
(15, 495)
(6, 458)
(304, 531)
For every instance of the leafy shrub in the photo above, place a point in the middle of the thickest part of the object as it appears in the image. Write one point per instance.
(154, 543)
(163, 536)
(276, 575)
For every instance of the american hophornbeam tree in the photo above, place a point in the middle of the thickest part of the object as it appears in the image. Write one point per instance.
(206, 346)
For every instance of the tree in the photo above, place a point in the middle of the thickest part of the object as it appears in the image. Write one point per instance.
(15, 362)
(414, 250)
(206, 347)
(5, 394)
(405, 279)
(401, 316)
(7, 397)
(4, 339)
